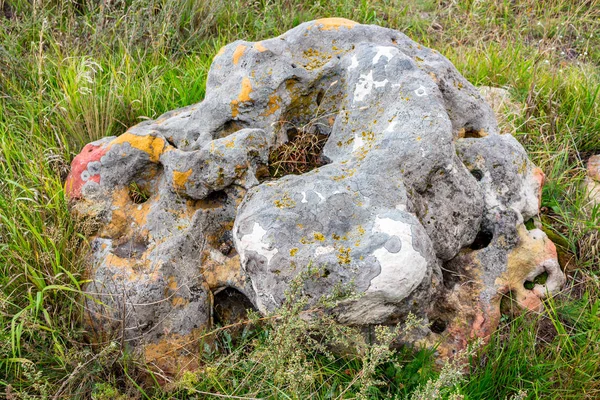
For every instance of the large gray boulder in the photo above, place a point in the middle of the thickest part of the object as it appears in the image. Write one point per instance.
(419, 206)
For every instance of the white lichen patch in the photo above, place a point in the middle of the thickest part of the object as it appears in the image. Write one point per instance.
(365, 86)
(353, 63)
(358, 142)
(401, 272)
(254, 242)
(384, 51)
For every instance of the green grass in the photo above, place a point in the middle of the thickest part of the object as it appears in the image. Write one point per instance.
(72, 72)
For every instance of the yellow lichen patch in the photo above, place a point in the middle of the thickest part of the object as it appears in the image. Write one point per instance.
(285, 202)
(230, 144)
(348, 173)
(152, 145)
(180, 178)
(327, 24)
(316, 58)
(319, 236)
(344, 256)
(238, 52)
(258, 46)
(294, 251)
(272, 105)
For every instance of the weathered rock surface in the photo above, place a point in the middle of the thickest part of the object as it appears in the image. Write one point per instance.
(420, 207)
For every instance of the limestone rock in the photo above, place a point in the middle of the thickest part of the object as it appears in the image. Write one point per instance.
(592, 181)
(419, 208)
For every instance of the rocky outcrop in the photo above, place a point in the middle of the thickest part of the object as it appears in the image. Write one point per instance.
(417, 205)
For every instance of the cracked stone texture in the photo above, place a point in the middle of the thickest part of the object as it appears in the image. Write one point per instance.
(420, 207)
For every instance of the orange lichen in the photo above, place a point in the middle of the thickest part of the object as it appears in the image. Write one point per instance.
(218, 273)
(243, 97)
(258, 46)
(171, 285)
(272, 105)
(179, 302)
(125, 214)
(220, 52)
(238, 52)
(173, 355)
(180, 178)
(327, 24)
(246, 90)
(152, 145)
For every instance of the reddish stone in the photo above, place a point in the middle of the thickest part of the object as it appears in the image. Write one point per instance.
(593, 168)
(77, 178)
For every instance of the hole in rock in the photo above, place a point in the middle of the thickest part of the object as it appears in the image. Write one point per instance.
(530, 224)
(300, 154)
(214, 200)
(469, 132)
(291, 133)
(138, 193)
(320, 97)
(482, 240)
(538, 280)
(477, 173)
(228, 128)
(451, 277)
(230, 306)
(438, 326)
